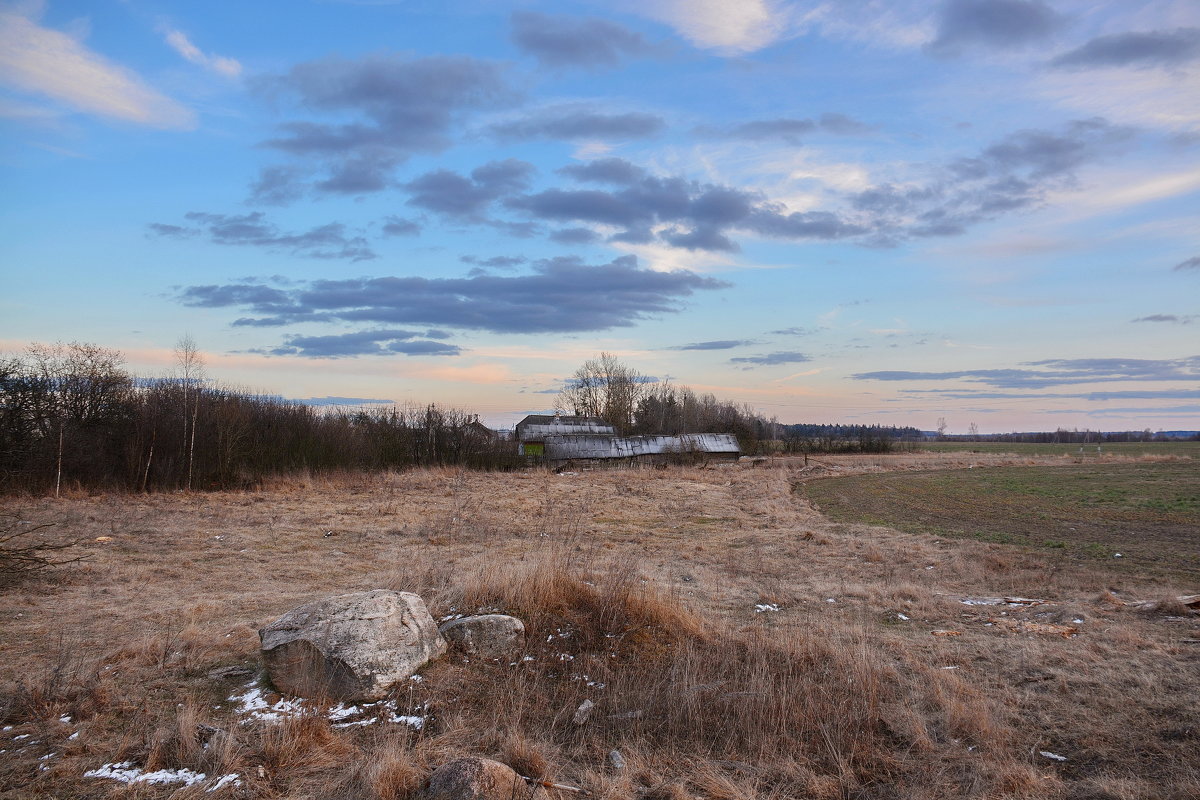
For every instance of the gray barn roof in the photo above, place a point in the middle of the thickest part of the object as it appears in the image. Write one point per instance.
(563, 447)
(537, 427)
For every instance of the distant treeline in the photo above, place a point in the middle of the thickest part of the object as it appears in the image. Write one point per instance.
(1064, 436)
(832, 438)
(70, 415)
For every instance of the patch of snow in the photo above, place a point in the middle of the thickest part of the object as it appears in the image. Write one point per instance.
(527, 658)
(73, 736)
(48, 755)
(759, 608)
(954, 667)
(126, 772)
(224, 781)
(830, 600)
(356, 723)
(8, 727)
(253, 705)
(902, 617)
(1115, 555)
(65, 719)
(1077, 621)
(1054, 756)
(416, 678)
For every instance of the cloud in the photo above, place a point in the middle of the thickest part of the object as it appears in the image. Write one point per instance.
(1015, 173)
(574, 236)
(1134, 49)
(1189, 264)
(399, 107)
(575, 122)
(363, 343)
(1140, 394)
(730, 28)
(791, 130)
(495, 262)
(772, 359)
(50, 63)
(720, 344)
(673, 210)
(574, 42)
(454, 195)
(329, 241)
(399, 226)
(561, 295)
(795, 331)
(616, 171)
(278, 185)
(992, 24)
(1057, 372)
(221, 65)
(1182, 320)
(343, 401)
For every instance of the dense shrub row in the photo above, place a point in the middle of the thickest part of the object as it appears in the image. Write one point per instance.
(71, 415)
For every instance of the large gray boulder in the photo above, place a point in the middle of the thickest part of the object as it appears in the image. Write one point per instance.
(350, 647)
(480, 779)
(486, 635)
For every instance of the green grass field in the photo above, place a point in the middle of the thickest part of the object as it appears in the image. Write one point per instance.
(1130, 449)
(1149, 512)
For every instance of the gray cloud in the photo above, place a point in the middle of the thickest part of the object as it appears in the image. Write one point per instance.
(561, 295)
(616, 171)
(278, 185)
(1135, 49)
(574, 122)
(1058, 372)
(573, 42)
(792, 130)
(495, 262)
(404, 106)
(1191, 263)
(1182, 320)
(1014, 173)
(699, 215)
(772, 359)
(1141, 394)
(399, 226)
(329, 241)
(364, 343)
(574, 236)
(795, 331)
(454, 195)
(993, 24)
(720, 344)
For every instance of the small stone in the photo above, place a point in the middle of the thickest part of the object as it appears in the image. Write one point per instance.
(485, 635)
(583, 712)
(480, 779)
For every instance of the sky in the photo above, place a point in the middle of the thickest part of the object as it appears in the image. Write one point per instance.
(982, 211)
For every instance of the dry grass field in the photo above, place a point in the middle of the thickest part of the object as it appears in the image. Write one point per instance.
(736, 642)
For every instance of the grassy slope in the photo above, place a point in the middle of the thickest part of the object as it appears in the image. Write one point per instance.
(662, 569)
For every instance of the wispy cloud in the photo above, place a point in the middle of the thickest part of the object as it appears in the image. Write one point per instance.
(222, 65)
(1057, 372)
(50, 63)
(557, 41)
(329, 241)
(773, 359)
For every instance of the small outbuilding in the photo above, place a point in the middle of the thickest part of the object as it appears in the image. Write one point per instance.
(532, 432)
(688, 447)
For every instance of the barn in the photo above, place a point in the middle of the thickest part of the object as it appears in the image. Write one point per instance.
(531, 433)
(689, 447)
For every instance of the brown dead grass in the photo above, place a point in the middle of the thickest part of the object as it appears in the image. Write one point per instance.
(653, 577)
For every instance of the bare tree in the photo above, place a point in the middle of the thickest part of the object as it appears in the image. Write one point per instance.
(605, 387)
(191, 373)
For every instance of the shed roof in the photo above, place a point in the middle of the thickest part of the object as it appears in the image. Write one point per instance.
(563, 447)
(536, 427)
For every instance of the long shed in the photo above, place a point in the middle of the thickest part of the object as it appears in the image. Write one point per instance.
(688, 446)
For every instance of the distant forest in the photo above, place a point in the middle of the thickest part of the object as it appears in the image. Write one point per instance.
(71, 416)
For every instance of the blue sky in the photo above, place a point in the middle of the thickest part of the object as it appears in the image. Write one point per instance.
(856, 211)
